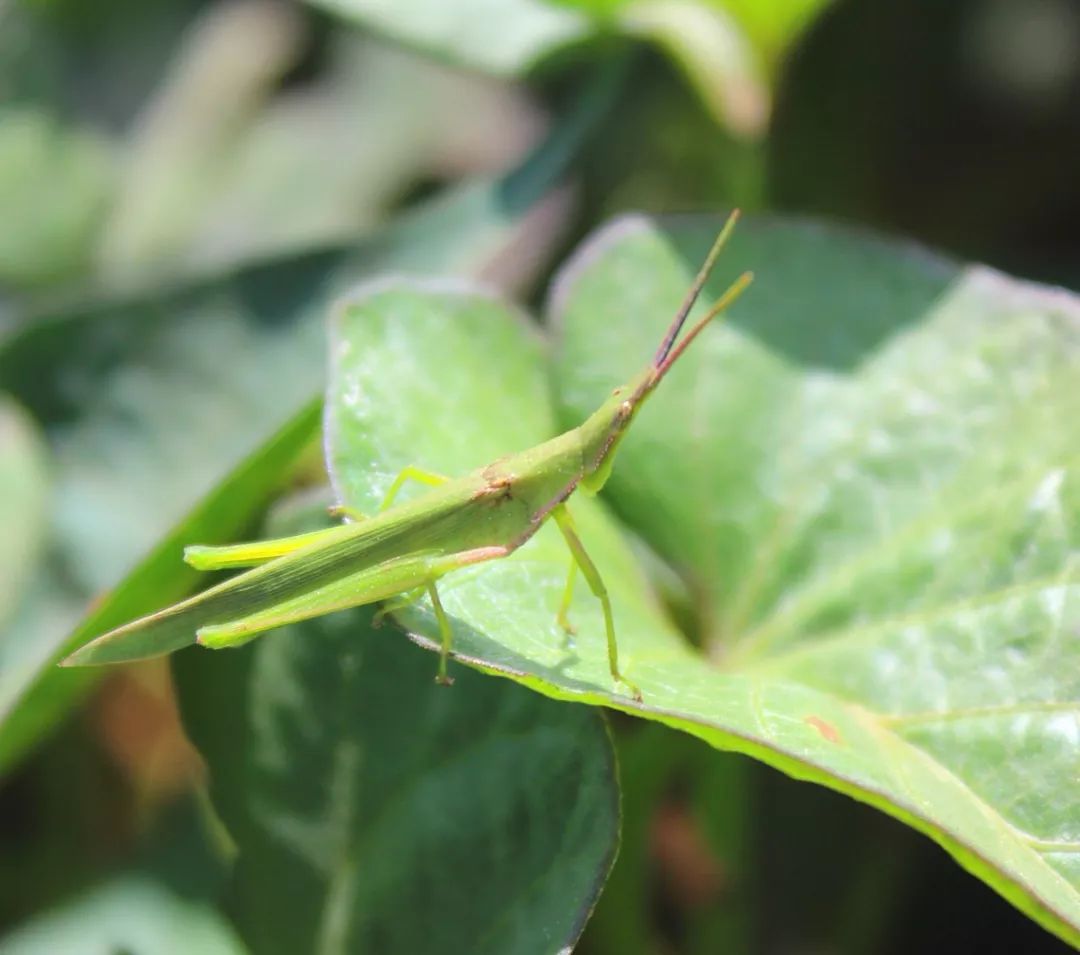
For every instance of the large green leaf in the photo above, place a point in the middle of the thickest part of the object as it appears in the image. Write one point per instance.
(374, 811)
(870, 475)
(865, 475)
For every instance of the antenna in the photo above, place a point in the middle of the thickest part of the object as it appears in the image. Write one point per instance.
(660, 361)
(733, 292)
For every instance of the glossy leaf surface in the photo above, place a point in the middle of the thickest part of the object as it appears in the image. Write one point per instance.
(865, 475)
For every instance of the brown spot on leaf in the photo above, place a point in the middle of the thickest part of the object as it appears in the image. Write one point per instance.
(826, 729)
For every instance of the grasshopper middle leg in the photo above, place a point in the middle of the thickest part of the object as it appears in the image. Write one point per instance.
(596, 585)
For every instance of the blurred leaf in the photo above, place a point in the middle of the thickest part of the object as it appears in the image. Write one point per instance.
(23, 491)
(34, 598)
(456, 124)
(504, 37)
(660, 150)
(771, 25)
(97, 61)
(376, 812)
(172, 393)
(54, 186)
(714, 54)
(33, 692)
(920, 563)
(670, 780)
(729, 49)
(217, 179)
(147, 404)
(217, 165)
(150, 399)
(183, 141)
(130, 914)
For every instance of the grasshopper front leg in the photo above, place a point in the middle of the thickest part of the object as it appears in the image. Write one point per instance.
(596, 585)
(411, 473)
(408, 473)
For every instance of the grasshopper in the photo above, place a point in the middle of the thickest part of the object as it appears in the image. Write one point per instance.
(398, 555)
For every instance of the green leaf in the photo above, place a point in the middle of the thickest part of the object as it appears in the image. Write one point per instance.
(34, 598)
(864, 475)
(33, 693)
(23, 493)
(730, 50)
(503, 37)
(869, 475)
(772, 26)
(54, 186)
(147, 403)
(691, 813)
(374, 811)
(715, 56)
(132, 913)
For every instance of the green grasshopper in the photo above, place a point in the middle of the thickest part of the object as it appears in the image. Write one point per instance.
(399, 554)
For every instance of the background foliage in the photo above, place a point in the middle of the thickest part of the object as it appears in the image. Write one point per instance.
(842, 541)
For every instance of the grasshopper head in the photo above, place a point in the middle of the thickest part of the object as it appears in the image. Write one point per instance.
(615, 415)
